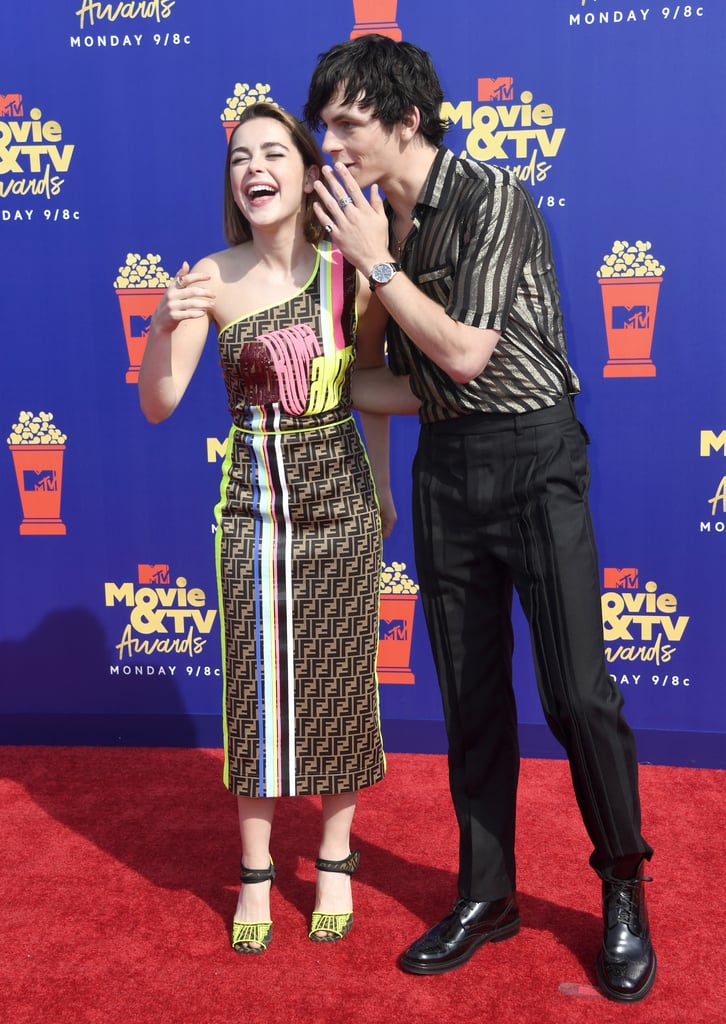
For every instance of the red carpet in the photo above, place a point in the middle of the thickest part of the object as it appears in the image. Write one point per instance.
(119, 882)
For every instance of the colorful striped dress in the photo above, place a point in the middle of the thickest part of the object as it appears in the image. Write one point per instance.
(298, 551)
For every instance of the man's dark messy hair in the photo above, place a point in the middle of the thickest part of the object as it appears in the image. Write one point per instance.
(387, 77)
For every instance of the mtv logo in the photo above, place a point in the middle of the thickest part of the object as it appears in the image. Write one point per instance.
(501, 89)
(630, 318)
(156, 575)
(11, 105)
(139, 326)
(40, 480)
(393, 629)
(620, 579)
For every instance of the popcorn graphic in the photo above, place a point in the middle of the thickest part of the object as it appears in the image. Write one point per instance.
(630, 261)
(243, 96)
(37, 446)
(630, 279)
(142, 272)
(395, 581)
(140, 283)
(397, 606)
(32, 429)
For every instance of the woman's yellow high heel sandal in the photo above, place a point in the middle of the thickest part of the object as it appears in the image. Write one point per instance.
(253, 936)
(335, 926)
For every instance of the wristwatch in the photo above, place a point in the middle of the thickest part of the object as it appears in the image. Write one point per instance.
(382, 274)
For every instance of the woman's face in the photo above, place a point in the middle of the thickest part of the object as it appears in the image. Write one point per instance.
(267, 174)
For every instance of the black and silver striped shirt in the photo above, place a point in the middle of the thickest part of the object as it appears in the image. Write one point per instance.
(479, 247)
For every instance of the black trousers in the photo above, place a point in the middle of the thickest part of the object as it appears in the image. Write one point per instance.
(501, 501)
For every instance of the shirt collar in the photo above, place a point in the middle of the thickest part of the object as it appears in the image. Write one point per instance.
(432, 191)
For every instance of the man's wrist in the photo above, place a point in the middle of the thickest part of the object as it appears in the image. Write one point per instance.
(381, 273)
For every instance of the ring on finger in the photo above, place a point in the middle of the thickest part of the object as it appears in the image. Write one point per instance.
(178, 281)
(328, 228)
(345, 201)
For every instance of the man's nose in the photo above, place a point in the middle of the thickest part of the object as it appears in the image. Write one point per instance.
(330, 143)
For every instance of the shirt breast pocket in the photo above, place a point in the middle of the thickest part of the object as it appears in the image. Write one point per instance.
(437, 283)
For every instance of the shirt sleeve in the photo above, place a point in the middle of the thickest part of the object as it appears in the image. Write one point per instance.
(495, 240)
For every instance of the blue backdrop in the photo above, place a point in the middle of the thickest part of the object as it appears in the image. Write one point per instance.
(112, 146)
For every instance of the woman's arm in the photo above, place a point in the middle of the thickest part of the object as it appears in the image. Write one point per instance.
(370, 353)
(377, 390)
(376, 433)
(179, 329)
(374, 389)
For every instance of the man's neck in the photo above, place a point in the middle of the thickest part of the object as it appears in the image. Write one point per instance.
(402, 186)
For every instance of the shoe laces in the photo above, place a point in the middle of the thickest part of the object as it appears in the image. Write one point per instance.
(624, 896)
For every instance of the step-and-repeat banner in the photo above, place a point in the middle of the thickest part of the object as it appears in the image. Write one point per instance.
(114, 117)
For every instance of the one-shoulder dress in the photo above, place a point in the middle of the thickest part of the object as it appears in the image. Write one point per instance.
(298, 550)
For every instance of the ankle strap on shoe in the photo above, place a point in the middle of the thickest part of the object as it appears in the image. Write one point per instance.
(251, 875)
(347, 866)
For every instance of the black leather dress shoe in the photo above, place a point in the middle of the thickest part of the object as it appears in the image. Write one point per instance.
(452, 941)
(626, 964)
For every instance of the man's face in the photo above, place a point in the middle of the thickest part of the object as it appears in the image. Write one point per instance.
(353, 136)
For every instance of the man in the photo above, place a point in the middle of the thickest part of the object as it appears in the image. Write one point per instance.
(461, 260)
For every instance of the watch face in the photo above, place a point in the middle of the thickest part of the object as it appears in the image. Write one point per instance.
(382, 272)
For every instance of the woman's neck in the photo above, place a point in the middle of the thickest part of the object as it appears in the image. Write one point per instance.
(283, 253)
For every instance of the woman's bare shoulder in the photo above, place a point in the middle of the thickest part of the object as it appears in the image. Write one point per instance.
(226, 264)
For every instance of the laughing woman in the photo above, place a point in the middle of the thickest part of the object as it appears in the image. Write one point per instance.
(300, 521)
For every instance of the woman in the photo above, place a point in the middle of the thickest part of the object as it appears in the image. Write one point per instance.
(298, 545)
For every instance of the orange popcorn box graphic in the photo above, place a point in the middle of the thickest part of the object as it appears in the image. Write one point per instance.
(137, 306)
(140, 284)
(629, 306)
(394, 638)
(39, 472)
(630, 280)
(37, 447)
(376, 16)
(395, 632)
